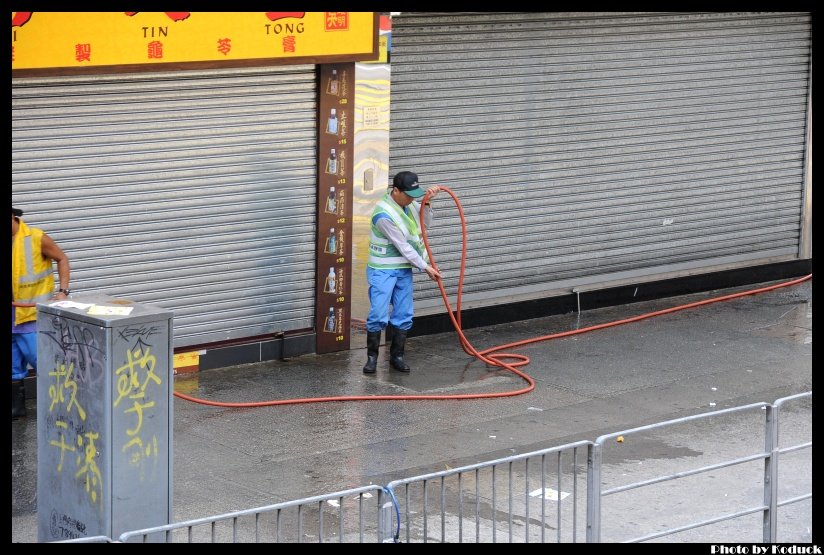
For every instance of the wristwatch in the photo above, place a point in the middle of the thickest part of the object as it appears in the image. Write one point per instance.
(64, 291)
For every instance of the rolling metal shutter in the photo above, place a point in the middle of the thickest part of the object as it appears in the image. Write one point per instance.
(589, 149)
(194, 191)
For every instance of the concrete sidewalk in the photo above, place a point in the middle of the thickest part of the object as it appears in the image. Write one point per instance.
(731, 353)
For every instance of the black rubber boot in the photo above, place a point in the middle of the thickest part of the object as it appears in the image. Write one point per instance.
(373, 342)
(18, 399)
(396, 351)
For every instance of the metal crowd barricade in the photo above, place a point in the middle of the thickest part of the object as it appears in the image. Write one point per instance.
(772, 482)
(538, 496)
(532, 497)
(770, 455)
(349, 516)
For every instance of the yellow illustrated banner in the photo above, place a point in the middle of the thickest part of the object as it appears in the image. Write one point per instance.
(44, 40)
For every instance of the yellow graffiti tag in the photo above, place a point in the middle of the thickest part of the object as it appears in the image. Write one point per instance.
(62, 445)
(56, 391)
(88, 468)
(138, 408)
(132, 385)
(128, 376)
(147, 450)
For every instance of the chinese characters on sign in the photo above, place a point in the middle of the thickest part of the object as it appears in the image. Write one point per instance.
(86, 40)
(337, 21)
(335, 208)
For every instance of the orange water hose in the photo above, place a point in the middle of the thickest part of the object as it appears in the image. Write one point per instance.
(486, 355)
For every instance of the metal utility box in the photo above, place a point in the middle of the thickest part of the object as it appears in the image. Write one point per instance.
(104, 417)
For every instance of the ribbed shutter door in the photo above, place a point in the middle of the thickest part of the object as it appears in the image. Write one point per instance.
(195, 191)
(590, 148)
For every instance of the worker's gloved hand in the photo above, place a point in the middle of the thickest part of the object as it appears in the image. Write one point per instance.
(433, 274)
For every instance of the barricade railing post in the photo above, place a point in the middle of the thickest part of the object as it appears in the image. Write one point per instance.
(594, 493)
(385, 518)
(770, 475)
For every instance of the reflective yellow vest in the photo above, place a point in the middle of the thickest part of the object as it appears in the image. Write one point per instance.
(32, 274)
(383, 254)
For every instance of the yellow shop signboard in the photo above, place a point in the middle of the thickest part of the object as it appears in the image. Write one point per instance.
(97, 42)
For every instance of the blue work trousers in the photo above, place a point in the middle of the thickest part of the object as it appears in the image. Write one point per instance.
(389, 287)
(23, 353)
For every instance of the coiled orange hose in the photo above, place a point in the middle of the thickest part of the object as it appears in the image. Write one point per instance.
(490, 356)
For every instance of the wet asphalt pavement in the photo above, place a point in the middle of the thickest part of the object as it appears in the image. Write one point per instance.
(751, 349)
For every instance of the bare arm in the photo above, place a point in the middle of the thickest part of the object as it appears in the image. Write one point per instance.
(50, 249)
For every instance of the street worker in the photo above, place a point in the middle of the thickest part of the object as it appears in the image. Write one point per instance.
(33, 254)
(395, 247)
